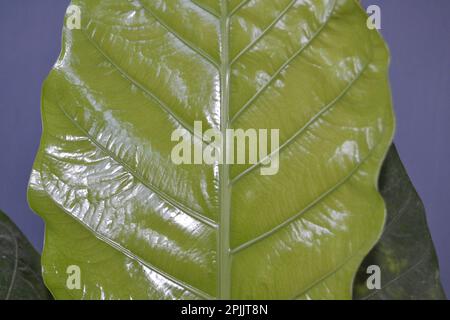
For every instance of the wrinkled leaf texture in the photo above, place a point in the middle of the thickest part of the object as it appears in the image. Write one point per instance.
(141, 227)
(20, 266)
(405, 253)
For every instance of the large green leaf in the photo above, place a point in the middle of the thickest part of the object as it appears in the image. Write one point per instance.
(405, 253)
(139, 226)
(20, 267)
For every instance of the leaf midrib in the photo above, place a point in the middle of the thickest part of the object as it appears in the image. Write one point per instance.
(223, 249)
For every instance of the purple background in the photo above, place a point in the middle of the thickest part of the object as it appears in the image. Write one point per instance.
(417, 31)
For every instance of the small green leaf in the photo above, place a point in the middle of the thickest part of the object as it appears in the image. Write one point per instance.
(20, 266)
(405, 253)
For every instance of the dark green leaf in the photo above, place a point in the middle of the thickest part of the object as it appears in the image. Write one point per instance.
(405, 253)
(20, 266)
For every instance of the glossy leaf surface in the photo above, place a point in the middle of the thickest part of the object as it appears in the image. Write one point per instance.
(405, 253)
(20, 266)
(141, 227)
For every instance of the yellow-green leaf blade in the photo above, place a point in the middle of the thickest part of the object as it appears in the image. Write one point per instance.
(117, 206)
